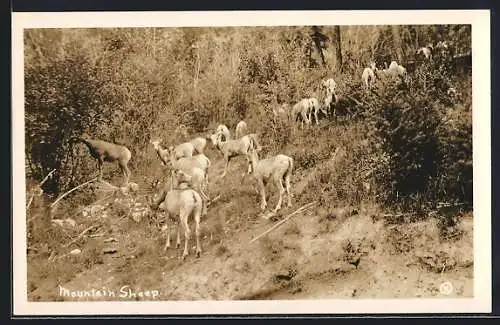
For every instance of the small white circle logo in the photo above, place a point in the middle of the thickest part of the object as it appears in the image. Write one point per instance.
(446, 288)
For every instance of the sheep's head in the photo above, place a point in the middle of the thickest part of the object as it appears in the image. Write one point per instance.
(214, 138)
(373, 66)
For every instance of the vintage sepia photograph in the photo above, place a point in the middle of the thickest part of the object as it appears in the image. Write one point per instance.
(321, 158)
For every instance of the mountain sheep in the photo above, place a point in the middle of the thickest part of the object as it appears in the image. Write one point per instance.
(426, 51)
(104, 151)
(368, 75)
(279, 168)
(241, 129)
(330, 85)
(183, 150)
(186, 164)
(315, 107)
(162, 153)
(199, 144)
(233, 148)
(222, 129)
(301, 110)
(184, 203)
(196, 179)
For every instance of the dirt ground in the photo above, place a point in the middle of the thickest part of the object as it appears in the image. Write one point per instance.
(321, 253)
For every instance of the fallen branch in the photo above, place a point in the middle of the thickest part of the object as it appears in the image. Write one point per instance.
(68, 192)
(80, 235)
(302, 208)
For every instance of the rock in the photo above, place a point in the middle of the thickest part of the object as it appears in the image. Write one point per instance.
(70, 222)
(75, 251)
(58, 222)
(109, 250)
(109, 240)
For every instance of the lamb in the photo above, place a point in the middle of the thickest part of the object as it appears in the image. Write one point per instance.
(368, 75)
(279, 168)
(199, 144)
(315, 107)
(104, 151)
(301, 110)
(196, 179)
(241, 129)
(183, 203)
(234, 148)
(222, 129)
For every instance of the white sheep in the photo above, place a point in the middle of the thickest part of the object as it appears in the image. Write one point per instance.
(330, 85)
(241, 129)
(396, 70)
(234, 148)
(186, 164)
(104, 151)
(195, 178)
(185, 149)
(426, 51)
(183, 203)
(222, 129)
(199, 144)
(315, 107)
(368, 75)
(279, 168)
(301, 110)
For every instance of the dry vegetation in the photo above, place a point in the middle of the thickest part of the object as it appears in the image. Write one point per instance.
(394, 212)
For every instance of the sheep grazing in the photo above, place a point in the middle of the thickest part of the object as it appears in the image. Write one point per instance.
(104, 151)
(184, 203)
(315, 107)
(199, 144)
(222, 129)
(301, 110)
(368, 75)
(279, 168)
(241, 129)
(196, 179)
(162, 153)
(234, 148)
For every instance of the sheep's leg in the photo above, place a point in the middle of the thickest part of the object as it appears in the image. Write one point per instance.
(316, 116)
(226, 167)
(178, 243)
(287, 186)
(281, 191)
(100, 162)
(263, 203)
(187, 233)
(198, 233)
(167, 244)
